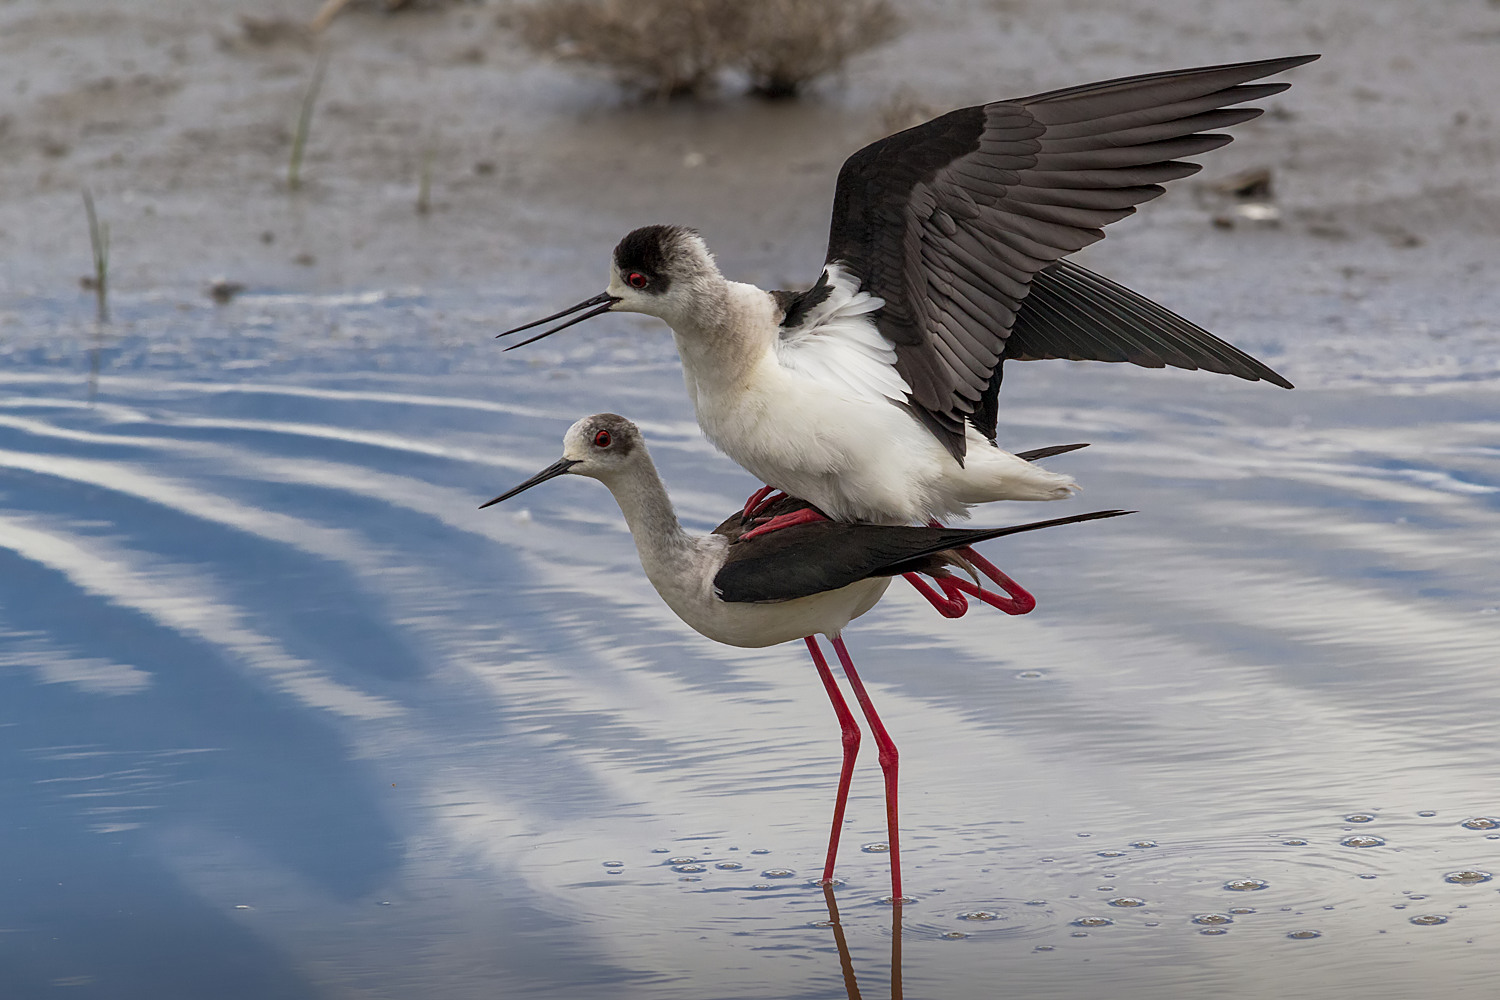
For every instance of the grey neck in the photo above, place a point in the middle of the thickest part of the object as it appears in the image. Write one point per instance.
(648, 511)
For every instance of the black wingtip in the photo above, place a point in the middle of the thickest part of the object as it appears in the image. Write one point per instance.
(1036, 454)
(970, 536)
(1303, 60)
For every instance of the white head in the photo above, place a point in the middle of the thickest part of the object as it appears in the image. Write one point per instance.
(662, 271)
(666, 272)
(603, 447)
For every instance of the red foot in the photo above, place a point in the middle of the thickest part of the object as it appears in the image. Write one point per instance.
(951, 603)
(950, 606)
(1020, 600)
(758, 500)
(804, 516)
(1018, 603)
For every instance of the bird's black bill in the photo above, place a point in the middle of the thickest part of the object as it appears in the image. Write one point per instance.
(603, 301)
(552, 471)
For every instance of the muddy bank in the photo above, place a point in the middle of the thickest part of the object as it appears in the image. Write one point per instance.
(180, 121)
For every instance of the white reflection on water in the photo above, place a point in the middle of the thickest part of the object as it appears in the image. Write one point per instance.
(433, 724)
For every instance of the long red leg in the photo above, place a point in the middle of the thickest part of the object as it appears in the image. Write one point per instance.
(851, 739)
(950, 606)
(889, 761)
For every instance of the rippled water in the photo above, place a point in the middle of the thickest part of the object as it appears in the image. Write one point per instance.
(284, 714)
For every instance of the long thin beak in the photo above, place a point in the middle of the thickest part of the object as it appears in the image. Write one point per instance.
(604, 301)
(557, 468)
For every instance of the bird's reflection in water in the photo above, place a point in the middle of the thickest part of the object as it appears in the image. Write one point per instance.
(846, 962)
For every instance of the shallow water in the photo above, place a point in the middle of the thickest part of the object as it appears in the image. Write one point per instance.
(285, 714)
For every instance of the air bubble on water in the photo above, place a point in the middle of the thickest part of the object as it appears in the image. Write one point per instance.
(1363, 840)
(880, 847)
(778, 873)
(1304, 935)
(1093, 922)
(979, 915)
(681, 861)
(953, 935)
(1360, 818)
(1111, 854)
(689, 869)
(1467, 877)
(1481, 823)
(1143, 843)
(1294, 842)
(1213, 919)
(728, 866)
(1127, 901)
(1214, 931)
(1428, 919)
(1247, 884)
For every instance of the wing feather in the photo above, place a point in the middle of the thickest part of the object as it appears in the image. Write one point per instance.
(1056, 323)
(951, 223)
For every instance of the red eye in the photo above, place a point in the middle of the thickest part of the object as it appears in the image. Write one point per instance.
(637, 279)
(602, 439)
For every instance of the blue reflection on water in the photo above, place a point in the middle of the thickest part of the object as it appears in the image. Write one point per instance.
(285, 715)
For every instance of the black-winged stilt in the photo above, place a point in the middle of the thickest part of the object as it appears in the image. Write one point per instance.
(799, 582)
(873, 394)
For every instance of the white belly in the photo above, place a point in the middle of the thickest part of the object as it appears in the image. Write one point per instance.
(858, 458)
(756, 625)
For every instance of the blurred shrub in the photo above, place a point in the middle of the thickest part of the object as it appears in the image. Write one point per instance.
(672, 48)
(783, 44)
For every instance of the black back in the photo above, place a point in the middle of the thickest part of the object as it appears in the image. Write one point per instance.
(809, 559)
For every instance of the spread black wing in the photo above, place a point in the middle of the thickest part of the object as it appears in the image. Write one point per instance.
(809, 559)
(952, 223)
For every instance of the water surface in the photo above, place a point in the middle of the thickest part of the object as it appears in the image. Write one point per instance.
(285, 714)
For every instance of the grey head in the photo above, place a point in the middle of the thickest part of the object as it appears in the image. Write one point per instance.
(604, 446)
(662, 271)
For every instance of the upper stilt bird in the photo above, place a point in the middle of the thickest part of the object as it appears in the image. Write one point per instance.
(800, 582)
(874, 394)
